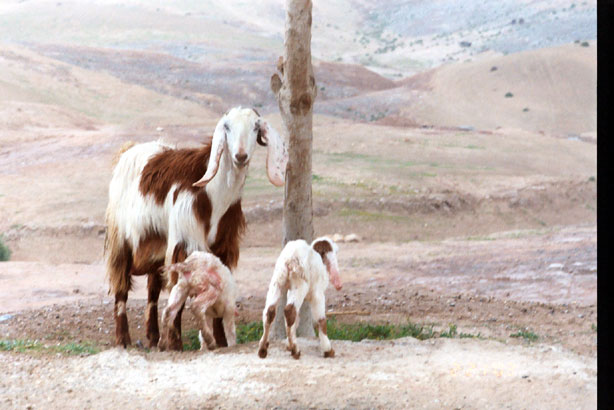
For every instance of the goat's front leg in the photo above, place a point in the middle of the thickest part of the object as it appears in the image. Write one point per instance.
(229, 326)
(318, 307)
(294, 303)
(176, 252)
(268, 315)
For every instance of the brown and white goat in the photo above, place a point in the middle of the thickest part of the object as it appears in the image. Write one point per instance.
(303, 271)
(205, 278)
(165, 203)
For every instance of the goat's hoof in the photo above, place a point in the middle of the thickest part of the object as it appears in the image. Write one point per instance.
(153, 341)
(329, 354)
(262, 352)
(212, 346)
(123, 342)
(176, 346)
(296, 354)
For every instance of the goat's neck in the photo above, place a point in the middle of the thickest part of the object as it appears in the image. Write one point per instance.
(224, 189)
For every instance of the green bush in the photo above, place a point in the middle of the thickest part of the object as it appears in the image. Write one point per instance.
(5, 252)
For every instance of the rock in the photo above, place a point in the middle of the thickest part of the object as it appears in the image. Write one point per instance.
(352, 238)
(555, 266)
(337, 237)
(6, 317)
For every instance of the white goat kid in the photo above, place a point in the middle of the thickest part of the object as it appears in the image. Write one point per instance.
(303, 271)
(205, 278)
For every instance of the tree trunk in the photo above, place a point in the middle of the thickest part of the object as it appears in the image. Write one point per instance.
(295, 91)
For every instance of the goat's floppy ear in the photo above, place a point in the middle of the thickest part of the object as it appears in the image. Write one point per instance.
(277, 154)
(217, 148)
(328, 252)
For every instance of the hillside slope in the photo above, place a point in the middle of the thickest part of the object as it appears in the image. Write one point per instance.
(552, 90)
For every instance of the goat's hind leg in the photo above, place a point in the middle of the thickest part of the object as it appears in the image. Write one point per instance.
(296, 296)
(176, 301)
(154, 286)
(318, 307)
(199, 308)
(268, 315)
(122, 334)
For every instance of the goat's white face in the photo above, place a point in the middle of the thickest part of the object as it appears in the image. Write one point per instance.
(242, 128)
(238, 132)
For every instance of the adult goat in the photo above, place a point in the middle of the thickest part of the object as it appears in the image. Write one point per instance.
(165, 203)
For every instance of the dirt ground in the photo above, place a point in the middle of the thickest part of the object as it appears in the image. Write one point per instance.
(540, 281)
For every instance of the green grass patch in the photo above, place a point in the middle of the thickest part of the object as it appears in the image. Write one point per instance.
(21, 346)
(190, 340)
(359, 331)
(526, 334)
(316, 178)
(594, 327)
(450, 333)
(355, 332)
(480, 238)
(246, 332)
(249, 332)
(5, 252)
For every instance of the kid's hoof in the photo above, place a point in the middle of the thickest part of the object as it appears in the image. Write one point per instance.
(262, 352)
(330, 353)
(296, 354)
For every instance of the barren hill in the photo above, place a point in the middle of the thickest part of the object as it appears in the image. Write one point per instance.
(552, 90)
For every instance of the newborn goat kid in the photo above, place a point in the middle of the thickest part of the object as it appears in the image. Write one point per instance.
(203, 276)
(303, 271)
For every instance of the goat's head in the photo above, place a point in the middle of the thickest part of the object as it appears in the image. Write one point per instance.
(238, 131)
(328, 251)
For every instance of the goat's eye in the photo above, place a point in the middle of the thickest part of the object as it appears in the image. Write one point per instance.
(260, 139)
(226, 127)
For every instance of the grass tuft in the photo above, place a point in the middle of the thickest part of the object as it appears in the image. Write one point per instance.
(451, 333)
(526, 334)
(21, 346)
(249, 332)
(5, 252)
(359, 331)
(190, 340)
(246, 332)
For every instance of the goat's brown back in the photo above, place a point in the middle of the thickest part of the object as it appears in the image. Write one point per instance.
(174, 166)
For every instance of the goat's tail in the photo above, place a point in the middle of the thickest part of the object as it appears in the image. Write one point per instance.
(119, 258)
(125, 147)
